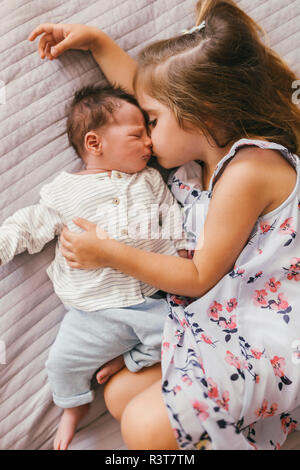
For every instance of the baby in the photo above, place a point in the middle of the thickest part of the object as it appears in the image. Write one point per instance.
(111, 318)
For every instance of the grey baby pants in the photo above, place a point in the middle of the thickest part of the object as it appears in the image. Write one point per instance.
(87, 340)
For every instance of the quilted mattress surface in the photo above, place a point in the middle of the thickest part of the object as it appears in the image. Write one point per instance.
(34, 95)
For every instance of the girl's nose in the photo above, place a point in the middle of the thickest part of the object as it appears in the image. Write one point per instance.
(148, 141)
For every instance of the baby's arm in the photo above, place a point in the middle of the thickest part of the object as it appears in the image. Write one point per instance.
(29, 229)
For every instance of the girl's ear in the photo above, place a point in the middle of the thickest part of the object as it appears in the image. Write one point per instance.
(93, 143)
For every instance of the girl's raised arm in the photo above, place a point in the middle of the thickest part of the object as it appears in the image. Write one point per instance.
(118, 67)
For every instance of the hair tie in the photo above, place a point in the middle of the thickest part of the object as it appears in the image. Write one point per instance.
(194, 29)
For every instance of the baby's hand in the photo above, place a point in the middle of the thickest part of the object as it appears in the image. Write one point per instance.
(58, 38)
(186, 254)
(183, 253)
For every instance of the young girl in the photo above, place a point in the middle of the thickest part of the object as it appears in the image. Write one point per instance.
(217, 95)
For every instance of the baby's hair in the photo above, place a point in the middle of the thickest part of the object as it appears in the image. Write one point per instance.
(92, 108)
(223, 77)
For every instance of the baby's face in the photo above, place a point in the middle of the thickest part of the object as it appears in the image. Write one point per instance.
(126, 145)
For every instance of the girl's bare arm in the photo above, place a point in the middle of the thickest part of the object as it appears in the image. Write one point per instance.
(118, 67)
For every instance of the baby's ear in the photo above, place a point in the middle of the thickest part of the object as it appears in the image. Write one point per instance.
(93, 142)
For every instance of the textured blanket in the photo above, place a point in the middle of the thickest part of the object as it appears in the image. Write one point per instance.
(34, 95)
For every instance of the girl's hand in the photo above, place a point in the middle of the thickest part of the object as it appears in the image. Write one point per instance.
(87, 250)
(58, 38)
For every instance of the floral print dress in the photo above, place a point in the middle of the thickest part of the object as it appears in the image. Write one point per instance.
(230, 359)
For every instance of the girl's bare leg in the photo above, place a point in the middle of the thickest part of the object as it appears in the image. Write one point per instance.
(125, 385)
(145, 424)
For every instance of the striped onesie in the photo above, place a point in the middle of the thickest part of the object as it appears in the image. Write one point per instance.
(108, 312)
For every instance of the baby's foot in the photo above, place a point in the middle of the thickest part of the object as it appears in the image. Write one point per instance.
(110, 368)
(68, 425)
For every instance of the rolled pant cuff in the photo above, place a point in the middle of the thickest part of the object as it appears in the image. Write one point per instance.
(76, 400)
(130, 364)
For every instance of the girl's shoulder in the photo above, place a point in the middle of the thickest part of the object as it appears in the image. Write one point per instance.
(270, 164)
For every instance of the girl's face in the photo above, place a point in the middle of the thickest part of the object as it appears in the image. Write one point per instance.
(172, 145)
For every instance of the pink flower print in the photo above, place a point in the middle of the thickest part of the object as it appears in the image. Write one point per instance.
(201, 409)
(212, 388)
(183, 323)
(176, 389)
(259, 297)
(231, 305)
(223, 403)
(278, 364)
(273, 409)
(230, 324)
(272, 284)
(257, 379)
(178, 300)
(206, 339)
(184, 186)
(287, 424)
(255, 353)
(280, 304)
(265, 226)
(256, 276)
(214, 309)
(286, 228)
(294, 270)
(263, 412)
(236, 272)
(185, 378)
(233, 360)
(166, 345)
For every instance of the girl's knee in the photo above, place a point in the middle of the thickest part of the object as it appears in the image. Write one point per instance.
(125, 386)
(145, 426)
(145, 423)
(136, 427)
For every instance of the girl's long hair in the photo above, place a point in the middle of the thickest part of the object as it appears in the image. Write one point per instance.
(223, 79)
